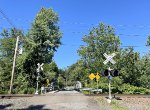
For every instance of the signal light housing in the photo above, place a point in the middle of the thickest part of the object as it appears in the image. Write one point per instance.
(105, 73)
(113, 73)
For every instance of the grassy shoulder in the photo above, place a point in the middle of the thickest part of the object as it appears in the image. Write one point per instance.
(114, 105)
(121, 89)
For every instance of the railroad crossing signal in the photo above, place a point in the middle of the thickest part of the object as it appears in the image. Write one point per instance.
(92, 76)
(113, 73)
(40, 68)
(109, 58)
(108, 72)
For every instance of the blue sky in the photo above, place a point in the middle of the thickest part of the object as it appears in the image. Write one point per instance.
(130, 18)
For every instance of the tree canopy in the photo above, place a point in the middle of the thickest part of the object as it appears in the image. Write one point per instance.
(39, 45)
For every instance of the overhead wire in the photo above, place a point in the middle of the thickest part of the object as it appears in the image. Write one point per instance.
(123, 46)
(78, 23)
(81, 23)
(79, 32)
(7, 19)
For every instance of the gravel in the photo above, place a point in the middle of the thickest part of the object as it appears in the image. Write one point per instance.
(136, 103)
(72, 100)
(65, 100)
(13, 103)
(124, 104)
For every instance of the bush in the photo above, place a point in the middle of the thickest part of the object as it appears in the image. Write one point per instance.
(30, 90)
(129, 89)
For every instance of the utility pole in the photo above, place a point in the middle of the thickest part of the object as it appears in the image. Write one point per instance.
(14, 63)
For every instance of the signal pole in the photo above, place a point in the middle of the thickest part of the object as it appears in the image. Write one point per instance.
(38, 70)
(13, 68)
(37, 85)
(109, 84)
(109, 79)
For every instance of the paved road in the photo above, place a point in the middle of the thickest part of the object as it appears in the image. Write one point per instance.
(64, 100)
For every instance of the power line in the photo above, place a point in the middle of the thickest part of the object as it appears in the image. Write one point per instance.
(123, 46)
(78, 32)
(5, 16)
(85, 33)
(5, 28)
(89, 24)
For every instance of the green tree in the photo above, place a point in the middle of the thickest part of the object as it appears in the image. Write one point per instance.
(42, 41)
(61, 78)
(74, 73)
(51, 72)
(100, 40)
(129, 66)
(145, 70)
(148, 42)
(7, 47)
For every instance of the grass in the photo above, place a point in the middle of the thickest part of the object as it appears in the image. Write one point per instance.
(114, 105)
(117, 106)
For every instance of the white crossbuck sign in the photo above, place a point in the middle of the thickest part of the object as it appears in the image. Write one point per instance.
(109, 58)
(40, 67)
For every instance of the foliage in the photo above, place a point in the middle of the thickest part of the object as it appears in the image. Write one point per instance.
(130, 73)
(7, 47)
(148, 42)
(51, 72)
(100, 40)
(133, 69)
(129, 89)
(145, 71)
(40, 44)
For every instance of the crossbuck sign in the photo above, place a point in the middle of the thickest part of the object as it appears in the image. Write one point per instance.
(109, 58)
(40, 67)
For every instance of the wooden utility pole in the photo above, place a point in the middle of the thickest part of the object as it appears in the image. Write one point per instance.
(13, 68)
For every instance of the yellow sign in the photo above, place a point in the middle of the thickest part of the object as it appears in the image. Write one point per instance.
(47, 81)
(91, 76)
(97, 77)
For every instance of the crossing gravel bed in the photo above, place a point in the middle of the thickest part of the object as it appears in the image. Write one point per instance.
(14, 103)
(64, 100)
(124, 103)
(72, 100)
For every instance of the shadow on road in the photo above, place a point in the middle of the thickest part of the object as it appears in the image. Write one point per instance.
(36, 107)
(31, 107)
(2, 107)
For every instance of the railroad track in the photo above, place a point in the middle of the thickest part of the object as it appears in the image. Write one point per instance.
(122, 95)
(8, 96)
(117, 96)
